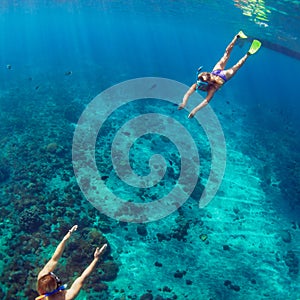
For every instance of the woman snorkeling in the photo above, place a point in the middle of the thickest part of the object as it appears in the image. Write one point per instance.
(50, 287)
(210, 82)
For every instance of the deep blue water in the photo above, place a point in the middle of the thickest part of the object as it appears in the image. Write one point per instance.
(56, 56)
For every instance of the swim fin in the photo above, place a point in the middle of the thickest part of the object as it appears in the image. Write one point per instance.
(242, 35)
(254, 47)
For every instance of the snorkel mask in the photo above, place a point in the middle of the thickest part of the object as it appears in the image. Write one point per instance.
(59, 287)
(57, 279)
(201, 85)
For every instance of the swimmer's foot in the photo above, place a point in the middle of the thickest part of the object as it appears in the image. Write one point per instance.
(241, 35)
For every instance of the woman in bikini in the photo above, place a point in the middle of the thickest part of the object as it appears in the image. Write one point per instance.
(210, 82)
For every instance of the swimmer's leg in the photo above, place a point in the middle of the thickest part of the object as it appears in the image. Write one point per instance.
(232, 71)
(221, 64)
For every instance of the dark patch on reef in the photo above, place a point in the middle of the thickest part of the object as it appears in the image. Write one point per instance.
(232, 286)
(30, 220)
(180, 231)
(292, 262)
(4, 172)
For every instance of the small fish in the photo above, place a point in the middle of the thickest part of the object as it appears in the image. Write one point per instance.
(68, 73)
(8, 67)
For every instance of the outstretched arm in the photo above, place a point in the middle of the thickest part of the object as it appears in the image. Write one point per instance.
(185, 99)
(210, 94)
(78, 283)
(51, 264)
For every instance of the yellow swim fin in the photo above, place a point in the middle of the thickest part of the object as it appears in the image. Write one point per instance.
(254, 47)
(242, 35)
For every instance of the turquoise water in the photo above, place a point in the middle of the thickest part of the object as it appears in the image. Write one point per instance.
(57, 56)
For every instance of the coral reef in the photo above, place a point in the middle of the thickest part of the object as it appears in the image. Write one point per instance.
(292, 262)
(52, 147)
(73, 111)
(30, 219)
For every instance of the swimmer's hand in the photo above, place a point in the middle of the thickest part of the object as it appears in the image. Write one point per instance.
(99, 252)
(191, 115)
(181, 106)
(68, 235)
(74, 228)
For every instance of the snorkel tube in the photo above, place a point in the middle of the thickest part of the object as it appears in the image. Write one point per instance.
(199, 71)
(61, 288)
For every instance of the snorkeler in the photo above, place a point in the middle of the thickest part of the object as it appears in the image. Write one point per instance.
(210, 82)
(50, 287)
